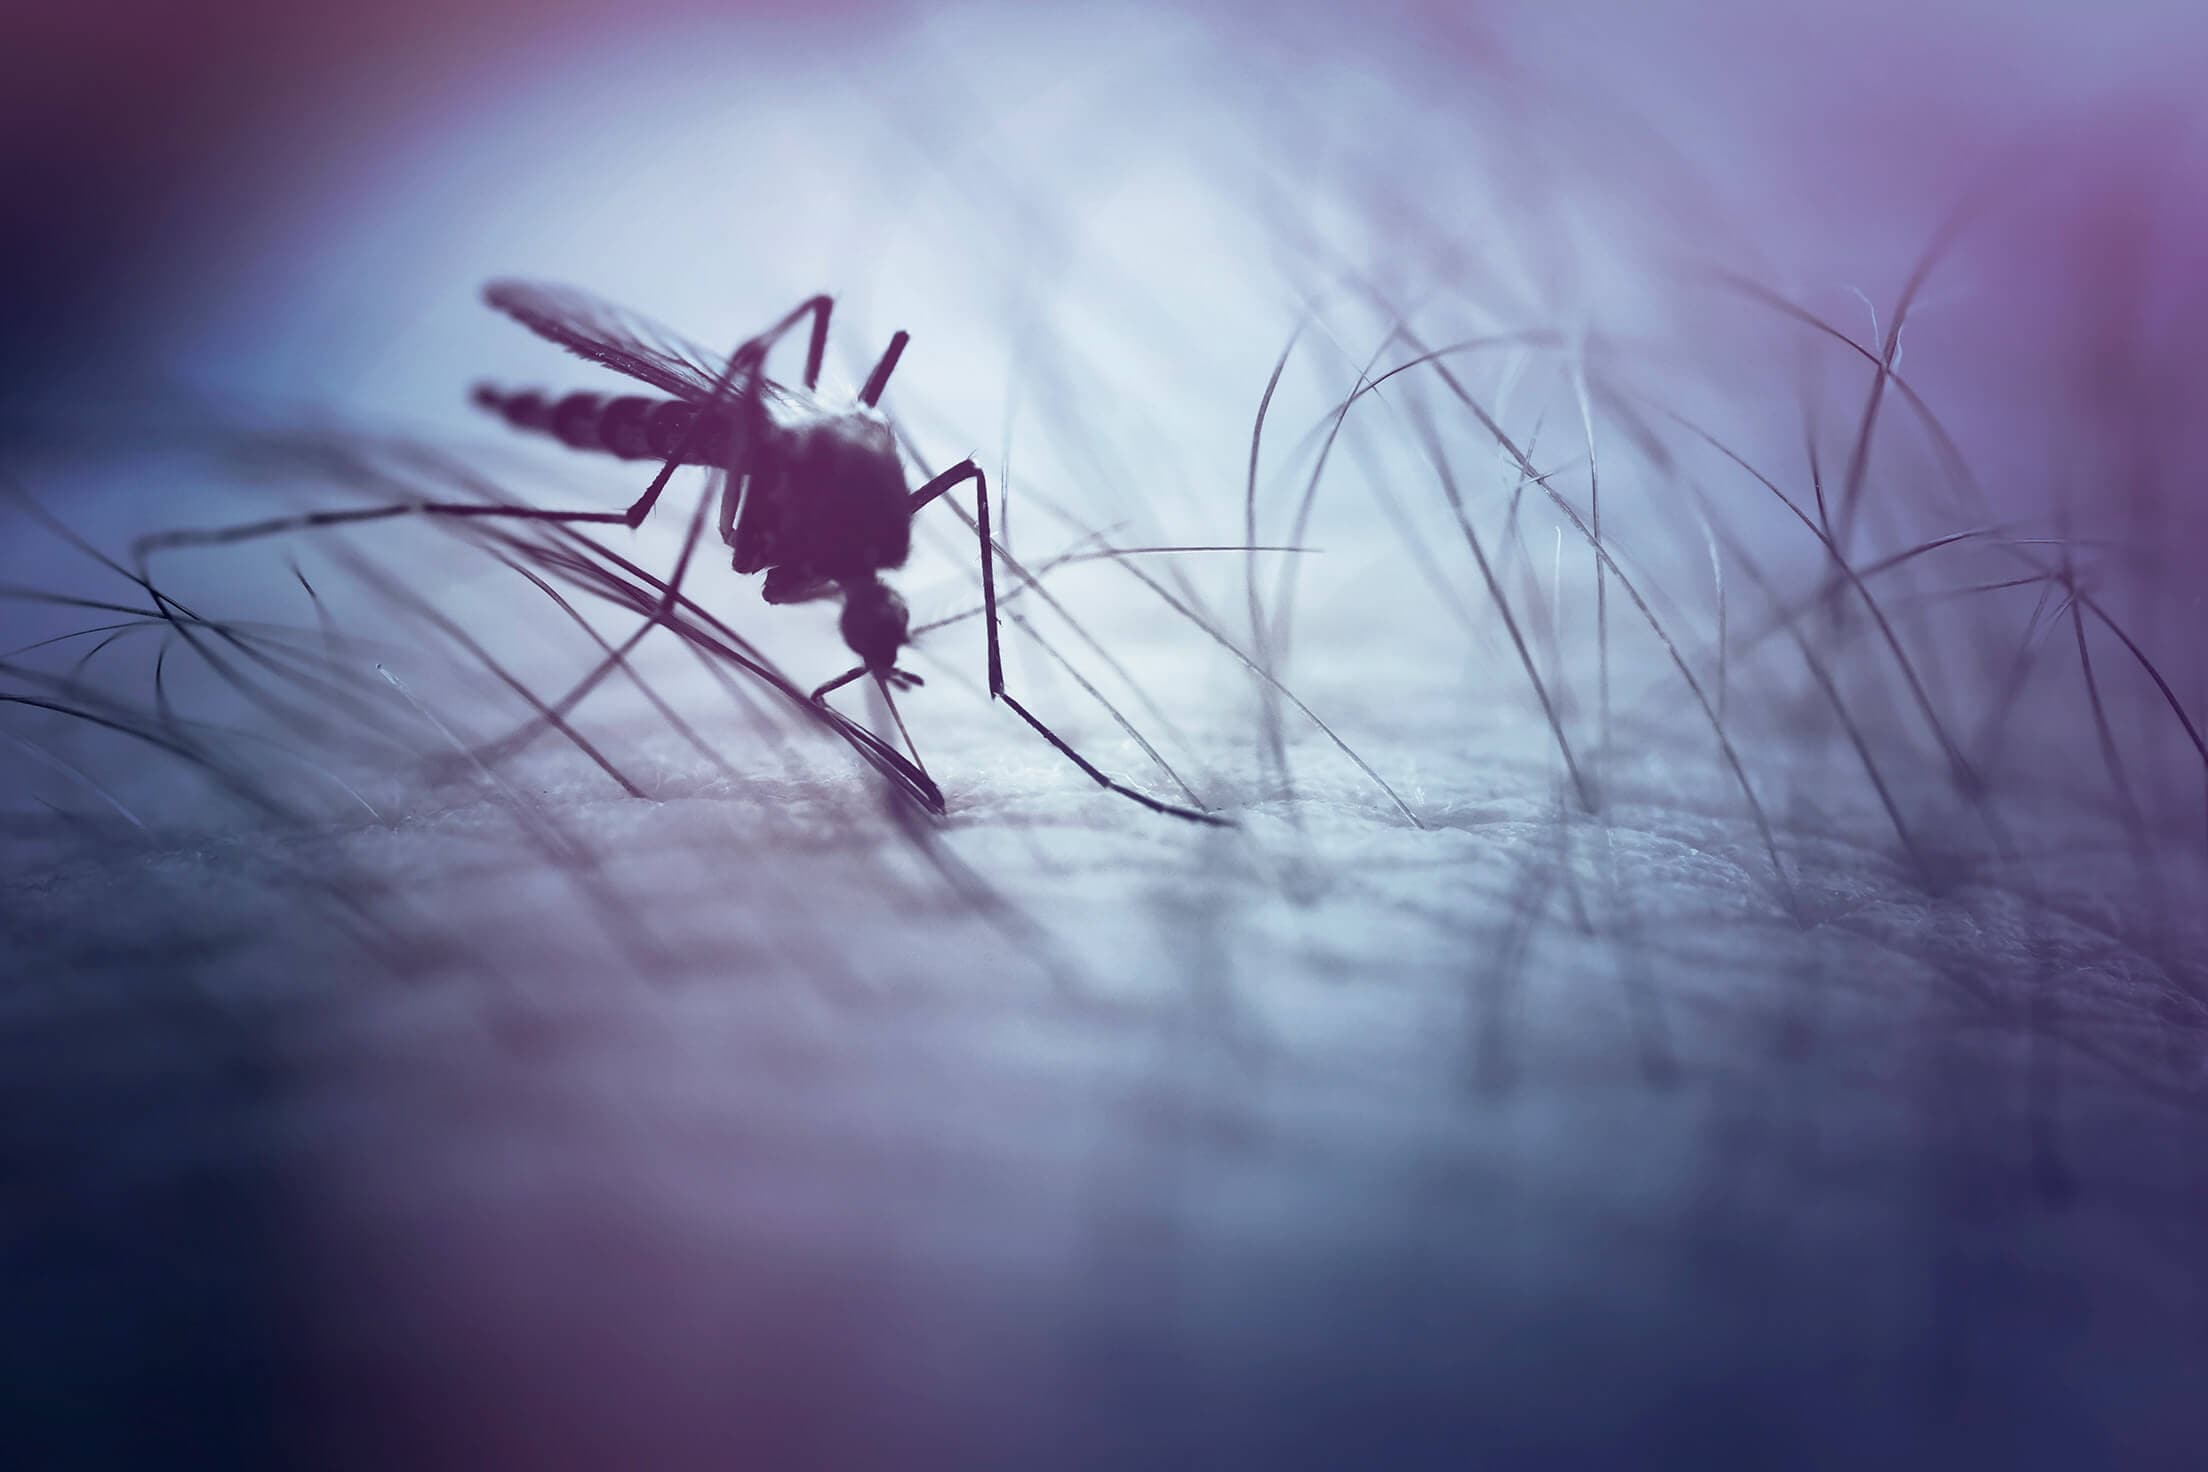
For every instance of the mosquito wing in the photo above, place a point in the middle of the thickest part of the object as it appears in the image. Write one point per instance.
(627, 343)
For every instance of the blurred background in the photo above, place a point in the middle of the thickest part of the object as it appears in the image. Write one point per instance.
(1738, 996)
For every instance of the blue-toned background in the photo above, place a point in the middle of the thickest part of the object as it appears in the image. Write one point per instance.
(1746, 1007)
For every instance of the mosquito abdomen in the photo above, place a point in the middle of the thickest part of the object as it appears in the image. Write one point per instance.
(633, 427)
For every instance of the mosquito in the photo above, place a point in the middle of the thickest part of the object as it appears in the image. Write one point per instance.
(812, 494)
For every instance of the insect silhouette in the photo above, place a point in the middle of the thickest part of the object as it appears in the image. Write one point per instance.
(812, 495)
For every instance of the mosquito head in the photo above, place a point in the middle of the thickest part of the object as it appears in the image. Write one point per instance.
(874, 623)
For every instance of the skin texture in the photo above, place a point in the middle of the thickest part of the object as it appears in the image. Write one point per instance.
(1687, 1005)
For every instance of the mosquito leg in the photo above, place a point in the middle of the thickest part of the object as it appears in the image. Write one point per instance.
(958, 474)
(616, 657)
(837, 684)
(816, 348)
(274, 526)
(879, 378)
(743, 367)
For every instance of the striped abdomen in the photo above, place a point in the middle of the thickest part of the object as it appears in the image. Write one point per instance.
(632, 426)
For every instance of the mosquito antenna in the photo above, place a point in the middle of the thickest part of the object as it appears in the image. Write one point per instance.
(879, 378)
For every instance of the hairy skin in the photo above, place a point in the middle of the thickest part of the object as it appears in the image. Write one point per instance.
(1705, 971)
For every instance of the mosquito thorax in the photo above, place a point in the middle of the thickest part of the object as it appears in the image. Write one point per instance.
(843, 493)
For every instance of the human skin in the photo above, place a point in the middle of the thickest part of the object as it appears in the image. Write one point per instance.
(1816, 1075)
